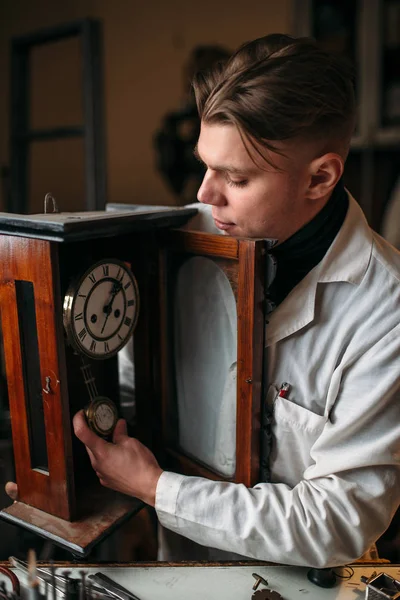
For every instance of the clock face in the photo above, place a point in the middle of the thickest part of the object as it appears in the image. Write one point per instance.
(101, 309)
(104, 417)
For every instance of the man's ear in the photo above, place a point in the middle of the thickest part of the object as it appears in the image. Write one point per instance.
(325, 172)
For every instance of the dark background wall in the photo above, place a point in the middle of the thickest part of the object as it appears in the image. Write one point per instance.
(145, 47)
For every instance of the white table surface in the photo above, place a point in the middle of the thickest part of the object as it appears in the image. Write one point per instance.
(164, 582)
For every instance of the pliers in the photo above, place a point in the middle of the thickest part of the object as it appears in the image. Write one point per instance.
(13, 578)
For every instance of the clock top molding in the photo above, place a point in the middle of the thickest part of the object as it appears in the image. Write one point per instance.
(76, 226)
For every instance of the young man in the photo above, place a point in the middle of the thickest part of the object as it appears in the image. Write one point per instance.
(276, 127)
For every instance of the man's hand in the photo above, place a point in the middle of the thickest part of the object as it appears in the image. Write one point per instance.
(125, 466)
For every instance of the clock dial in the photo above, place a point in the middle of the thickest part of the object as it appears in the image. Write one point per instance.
(104, 417)
(101, 309)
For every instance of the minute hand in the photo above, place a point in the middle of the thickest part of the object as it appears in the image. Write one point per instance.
(108, 307)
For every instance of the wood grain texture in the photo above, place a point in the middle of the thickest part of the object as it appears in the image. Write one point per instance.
(108, 512)
(250, 309)
(199, 243)
(35, 261)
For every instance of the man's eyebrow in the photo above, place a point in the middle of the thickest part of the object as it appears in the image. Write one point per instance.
(227, 168)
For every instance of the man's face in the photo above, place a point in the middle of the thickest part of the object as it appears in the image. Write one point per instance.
(253, 200)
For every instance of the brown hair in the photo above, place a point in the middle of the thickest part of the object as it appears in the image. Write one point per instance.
(279, 88)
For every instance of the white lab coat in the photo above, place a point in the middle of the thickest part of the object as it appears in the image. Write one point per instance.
(391, 218)
(335, 461)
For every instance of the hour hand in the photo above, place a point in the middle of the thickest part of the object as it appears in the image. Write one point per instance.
(117, 286)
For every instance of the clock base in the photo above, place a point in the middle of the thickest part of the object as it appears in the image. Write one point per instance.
(79, 537)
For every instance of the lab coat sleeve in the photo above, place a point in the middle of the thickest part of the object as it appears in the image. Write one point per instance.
(345, 500)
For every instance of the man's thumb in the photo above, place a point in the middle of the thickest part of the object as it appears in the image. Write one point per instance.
(120, 431)
(12, 490)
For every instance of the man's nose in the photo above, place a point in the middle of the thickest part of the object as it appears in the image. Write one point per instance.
(209, 192)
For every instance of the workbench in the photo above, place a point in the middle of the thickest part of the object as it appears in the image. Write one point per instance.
(223, 581)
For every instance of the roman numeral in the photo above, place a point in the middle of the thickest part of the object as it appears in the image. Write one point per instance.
(127, 321)
(106, 269)
(92, 277)
(82, 334)
(106, 347)
(120, 274)
(82, 295)
(127, 285)
(131, 302)
(93, 346)
(79, 317)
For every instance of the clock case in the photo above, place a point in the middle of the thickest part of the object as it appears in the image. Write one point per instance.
(249, 268)
(40, 256)
(59, 495)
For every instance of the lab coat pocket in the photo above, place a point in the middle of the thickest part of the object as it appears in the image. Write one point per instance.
(295, 430)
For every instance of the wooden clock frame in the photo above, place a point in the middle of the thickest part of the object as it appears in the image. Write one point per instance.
(60, 497)
(245, 264)
(54, 502)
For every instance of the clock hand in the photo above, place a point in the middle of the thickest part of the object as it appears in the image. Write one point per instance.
(117, 286)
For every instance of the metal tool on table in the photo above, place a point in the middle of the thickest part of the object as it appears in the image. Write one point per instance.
(62, 586)
(49, 579)
(112, 587)
(13, 578)
(265, 594)
(381, 587)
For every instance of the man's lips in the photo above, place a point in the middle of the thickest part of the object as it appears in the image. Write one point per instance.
(222, 225)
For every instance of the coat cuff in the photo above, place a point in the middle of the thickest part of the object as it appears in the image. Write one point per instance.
(167, 491)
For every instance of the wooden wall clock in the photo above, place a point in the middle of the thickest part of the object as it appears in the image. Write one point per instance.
(73, 288)
(213, 299)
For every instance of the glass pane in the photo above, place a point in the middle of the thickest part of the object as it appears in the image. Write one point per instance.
(126, 376)
(31, 368)
(205, 351)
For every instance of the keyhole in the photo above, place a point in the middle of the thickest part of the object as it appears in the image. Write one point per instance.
(47, 388)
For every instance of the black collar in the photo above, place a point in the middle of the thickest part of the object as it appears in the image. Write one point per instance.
(300, 253)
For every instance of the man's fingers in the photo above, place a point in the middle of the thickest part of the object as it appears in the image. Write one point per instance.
(86, 435)
(12, 490)
(120, 431)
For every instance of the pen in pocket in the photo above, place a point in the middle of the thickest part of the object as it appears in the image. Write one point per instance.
(284, 390)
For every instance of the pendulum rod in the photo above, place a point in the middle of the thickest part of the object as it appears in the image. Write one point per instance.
(89, 380)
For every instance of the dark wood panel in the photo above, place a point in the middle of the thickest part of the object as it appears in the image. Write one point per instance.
(252, 275)
(145, 268)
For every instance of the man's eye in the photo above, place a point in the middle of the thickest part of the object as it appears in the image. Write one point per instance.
(239, 184)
